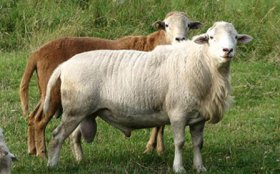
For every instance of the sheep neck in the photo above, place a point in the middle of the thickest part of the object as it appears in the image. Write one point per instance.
(213, 88)
(143, 43)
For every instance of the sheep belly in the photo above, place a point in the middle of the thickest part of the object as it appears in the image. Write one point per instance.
(134, 120)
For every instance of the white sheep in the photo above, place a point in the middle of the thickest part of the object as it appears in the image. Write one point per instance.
(174, 28)
(183, 85)
(6, 157)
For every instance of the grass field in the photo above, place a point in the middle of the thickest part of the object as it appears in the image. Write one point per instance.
(246, 141)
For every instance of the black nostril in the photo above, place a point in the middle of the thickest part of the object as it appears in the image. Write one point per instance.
(180, 38)
(225, 50)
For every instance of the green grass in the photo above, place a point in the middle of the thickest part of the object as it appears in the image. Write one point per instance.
(247, 140)
(27, 24)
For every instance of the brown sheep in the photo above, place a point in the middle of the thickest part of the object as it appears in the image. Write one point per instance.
(173, 28)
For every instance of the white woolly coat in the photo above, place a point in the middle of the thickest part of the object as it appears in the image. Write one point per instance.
(138, 89)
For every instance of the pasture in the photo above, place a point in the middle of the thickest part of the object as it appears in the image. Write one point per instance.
(247, 140)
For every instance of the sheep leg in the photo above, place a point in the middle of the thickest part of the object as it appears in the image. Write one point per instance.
(160, 142)
(152, 140)
(178, 124)
(31, 132)
(196, 131)
(41, 122)
(87, 129)
(39, 133)
(68, 124)
(76, 144)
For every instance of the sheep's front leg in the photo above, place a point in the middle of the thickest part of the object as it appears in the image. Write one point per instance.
(196, 131)
(151, 143)
(68, 124)
(178, 125)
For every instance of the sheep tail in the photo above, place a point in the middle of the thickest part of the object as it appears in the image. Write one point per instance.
(52, 81)
(24, 85)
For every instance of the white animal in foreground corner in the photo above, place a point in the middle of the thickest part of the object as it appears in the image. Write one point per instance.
(183, 84)
(6, 157)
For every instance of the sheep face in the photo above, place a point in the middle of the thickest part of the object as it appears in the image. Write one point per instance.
(222, 39)
(176, 26)
(4, 151)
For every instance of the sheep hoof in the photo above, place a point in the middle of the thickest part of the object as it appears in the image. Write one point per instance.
(51, 164)
(200, 168)
(160, 151)
(42, 155)
(179, 169)
(149, 149)
(32, 152)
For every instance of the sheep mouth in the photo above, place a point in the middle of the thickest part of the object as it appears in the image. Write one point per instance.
(228, 57)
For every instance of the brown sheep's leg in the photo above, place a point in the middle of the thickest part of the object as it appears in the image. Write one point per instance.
(41, 122)
(152, 141)
(41, 119)
(30, 132)
(160, 143)
(39, 140)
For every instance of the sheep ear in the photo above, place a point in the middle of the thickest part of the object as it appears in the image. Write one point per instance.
(13, 157)
(194, 25)
(159, 25)
(244, 38)
(201, 39)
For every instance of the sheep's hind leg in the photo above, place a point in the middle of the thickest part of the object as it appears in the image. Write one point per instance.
(41, 122)
(87, 129)
(76, 144)
(68, 124)
(196, 131)
(31, 132)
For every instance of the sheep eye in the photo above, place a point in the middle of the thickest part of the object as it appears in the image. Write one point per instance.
(166, 25)
(211, 37)
(236, 37)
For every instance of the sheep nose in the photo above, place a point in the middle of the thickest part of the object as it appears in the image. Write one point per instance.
(180, 39)
(227, 50)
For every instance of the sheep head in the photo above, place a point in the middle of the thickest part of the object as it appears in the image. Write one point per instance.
(176, 26)
(222, 39)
